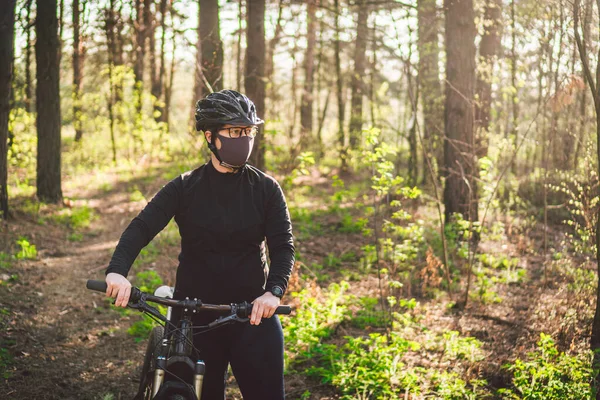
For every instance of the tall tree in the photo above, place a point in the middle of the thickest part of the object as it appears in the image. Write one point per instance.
(255, 71)
(429, 81)
(7, 32)
(150, 43)
(139, 53)
(28, 84)
(48, 102)
(594, 85)
(306, 104)
(238, 68)
(111, 43)
(209, 72)
(358, 85)
(339, 86)
(489, 49)
(157, 85)
(459, 157)
(78, 59)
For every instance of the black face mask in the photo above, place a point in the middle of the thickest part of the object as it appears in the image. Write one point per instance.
(234, 153)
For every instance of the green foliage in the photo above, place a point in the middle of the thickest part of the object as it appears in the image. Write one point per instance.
(368, 315)
(5, 260)
(457, 347)
(581, 200)
(368, 259)
(75, 237)
(28, 250)
(74, 217)
(549, 374)
(331, 261)
(22, 153)
(304, 222)
(147, 255)
(372, 367)
(313, 321)
(169, 236)
(147, 281)
(350, 225)
(369, 367)
(303, 162)
(136, 195)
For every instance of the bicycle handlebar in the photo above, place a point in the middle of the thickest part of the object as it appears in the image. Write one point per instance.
(241, 309)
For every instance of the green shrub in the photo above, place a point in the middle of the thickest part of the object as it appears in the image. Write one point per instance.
(550, 375)
(370, 367)
(313, 321)
(28, 250)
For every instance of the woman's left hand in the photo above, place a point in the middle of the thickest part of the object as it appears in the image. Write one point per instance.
(264, 307)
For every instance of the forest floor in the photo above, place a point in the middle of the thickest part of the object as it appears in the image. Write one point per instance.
(61, 341)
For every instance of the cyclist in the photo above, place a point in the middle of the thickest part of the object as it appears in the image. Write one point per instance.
(224, 209)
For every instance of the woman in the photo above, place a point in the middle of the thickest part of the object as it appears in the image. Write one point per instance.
(225, 210)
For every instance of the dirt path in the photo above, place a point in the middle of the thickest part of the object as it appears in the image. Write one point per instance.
(65, 340)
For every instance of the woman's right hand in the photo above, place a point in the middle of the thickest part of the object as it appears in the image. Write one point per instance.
(118, 287)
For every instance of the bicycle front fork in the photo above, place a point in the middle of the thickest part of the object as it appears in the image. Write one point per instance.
(159, 376)
(199, 378)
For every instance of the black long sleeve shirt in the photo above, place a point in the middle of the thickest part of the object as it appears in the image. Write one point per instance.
(223, 220)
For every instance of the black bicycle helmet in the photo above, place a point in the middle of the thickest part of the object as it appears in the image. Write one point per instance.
(225, 107)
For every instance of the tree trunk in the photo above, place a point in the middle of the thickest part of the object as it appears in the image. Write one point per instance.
(339, 87)
(7, 34)
(255, 71)
(306, 106)
(583, 101)
(169, 88)
(157, 91)
(48, 103)
(429, 82)
(209, 37)
(373, 75)
(272, 94)
(460, 160)
(321, 115)
(109, 29)
(77, 71)
(358, 84)
(150, 33)
(138, 67)
(595, 90)
(488, 54)
(513, 79)
(238, 69)
(28, 84)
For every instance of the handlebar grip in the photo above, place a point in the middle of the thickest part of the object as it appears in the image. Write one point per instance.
(283, 310)
(99, 286)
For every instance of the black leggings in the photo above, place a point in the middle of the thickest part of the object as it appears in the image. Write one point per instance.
(255, 353)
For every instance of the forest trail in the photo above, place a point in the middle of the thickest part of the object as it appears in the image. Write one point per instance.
(70, 344)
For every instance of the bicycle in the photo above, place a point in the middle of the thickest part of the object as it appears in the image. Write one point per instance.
(169, 372)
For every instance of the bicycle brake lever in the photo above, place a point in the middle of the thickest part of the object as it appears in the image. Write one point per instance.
(226, 320)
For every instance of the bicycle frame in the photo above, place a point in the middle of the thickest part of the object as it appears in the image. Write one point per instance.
(176, 360)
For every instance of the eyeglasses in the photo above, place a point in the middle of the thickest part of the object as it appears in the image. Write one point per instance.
(236, 131)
